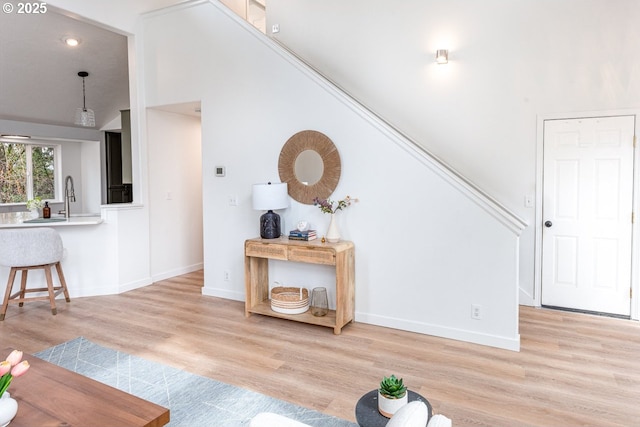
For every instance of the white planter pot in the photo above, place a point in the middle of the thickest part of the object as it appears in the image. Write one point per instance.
(388, 407)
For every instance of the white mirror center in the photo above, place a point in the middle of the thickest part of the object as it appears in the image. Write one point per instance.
(309, 167)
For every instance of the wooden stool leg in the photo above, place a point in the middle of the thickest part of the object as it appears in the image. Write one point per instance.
(63, 282)
(52, 297)
(7, 293)
(23, 284)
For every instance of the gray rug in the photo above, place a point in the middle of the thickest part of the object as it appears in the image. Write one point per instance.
(193, 400)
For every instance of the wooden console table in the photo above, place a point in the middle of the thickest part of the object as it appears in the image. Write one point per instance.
(258, 252)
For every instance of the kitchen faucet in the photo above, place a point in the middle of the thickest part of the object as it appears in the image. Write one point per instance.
(69, 194)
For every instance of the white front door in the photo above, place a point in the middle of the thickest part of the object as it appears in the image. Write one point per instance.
(587, 210)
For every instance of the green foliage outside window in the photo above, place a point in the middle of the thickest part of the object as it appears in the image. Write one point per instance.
(42, 158)
(14, 170)
(13, 173)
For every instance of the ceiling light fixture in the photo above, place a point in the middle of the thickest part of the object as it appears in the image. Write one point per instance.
(71, 41)
(85, 117)
(11, 136)
(442, 56)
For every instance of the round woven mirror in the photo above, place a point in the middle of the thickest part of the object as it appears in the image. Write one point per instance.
(300, 167)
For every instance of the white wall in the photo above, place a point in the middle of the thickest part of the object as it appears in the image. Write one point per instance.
(90, 185)
(424, 250)
(510, 61)
(102, 259)
(130, 230)
(175, 193)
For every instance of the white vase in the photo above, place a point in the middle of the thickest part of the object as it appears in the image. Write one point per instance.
(333, 235)
(388, 407)
(8, 408)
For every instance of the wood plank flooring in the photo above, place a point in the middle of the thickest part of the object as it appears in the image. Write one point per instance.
(573, 369)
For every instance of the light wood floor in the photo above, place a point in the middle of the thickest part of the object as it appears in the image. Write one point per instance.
(573, 369)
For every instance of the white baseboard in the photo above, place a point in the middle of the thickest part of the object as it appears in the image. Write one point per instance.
(125, 287)
(177, 272)
(507, 343)
(105, 290)
(223, 293)
(527, 299)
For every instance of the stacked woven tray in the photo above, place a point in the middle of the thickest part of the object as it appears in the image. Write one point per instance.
(289, 300)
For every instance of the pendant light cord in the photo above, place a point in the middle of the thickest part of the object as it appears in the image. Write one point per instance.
(84, 100)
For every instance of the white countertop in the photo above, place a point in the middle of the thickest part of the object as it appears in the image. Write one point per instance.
(17, 220)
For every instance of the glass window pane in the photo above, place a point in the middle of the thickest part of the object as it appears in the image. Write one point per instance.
(13, 173)
(42, 160)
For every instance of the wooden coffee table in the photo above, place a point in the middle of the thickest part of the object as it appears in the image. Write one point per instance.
(49, 395)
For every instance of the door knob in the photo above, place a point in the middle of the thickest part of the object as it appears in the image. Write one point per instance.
(548, 224)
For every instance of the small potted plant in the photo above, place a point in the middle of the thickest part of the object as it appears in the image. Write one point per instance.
(392, 395)
(35, 205)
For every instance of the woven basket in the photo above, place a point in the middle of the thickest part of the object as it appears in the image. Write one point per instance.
(289, 300)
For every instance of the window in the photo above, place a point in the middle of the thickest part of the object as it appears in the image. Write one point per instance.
(27, 171)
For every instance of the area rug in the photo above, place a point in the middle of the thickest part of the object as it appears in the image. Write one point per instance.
(193, 400)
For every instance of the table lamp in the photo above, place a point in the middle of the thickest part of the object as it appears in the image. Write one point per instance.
(268, 197)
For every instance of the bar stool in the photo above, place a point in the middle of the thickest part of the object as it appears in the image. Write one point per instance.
(29, 249)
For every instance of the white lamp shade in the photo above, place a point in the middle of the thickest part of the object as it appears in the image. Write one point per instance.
(85, 117)
(270, 196)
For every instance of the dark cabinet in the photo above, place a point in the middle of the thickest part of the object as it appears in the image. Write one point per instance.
(117, 190)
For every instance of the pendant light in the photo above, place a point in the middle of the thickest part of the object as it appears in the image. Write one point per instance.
(85, 117)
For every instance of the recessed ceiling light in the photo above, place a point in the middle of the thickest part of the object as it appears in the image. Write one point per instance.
(71, 41)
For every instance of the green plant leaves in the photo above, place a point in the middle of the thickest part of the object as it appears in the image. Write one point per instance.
(392, 387)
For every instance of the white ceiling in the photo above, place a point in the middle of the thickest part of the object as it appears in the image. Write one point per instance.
(39, 73)
(39, 80)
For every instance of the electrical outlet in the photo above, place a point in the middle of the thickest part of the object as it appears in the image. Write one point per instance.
(227, 276)
(476, 311)
(233, 200)
(275, 28)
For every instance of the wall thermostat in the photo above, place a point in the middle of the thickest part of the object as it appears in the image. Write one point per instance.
(219, 170)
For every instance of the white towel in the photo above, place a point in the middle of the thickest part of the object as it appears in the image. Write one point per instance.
(439, 420)
(269, 419)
